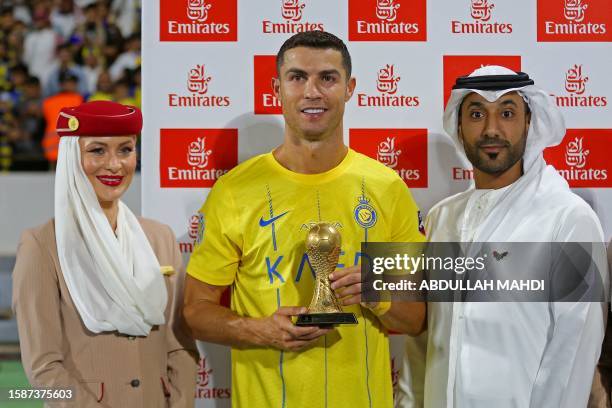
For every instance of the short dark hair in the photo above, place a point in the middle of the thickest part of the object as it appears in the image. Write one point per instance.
(6, 9)
(32, 80)
(319, 40)
(67, 75)
(20, 68)
(63, 46)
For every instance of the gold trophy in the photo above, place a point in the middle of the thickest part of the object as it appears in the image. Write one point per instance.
(323, 249)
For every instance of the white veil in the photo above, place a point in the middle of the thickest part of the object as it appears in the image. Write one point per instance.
(114, 280)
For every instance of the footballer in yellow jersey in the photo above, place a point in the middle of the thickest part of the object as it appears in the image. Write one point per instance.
(256, 219)
(251, 239)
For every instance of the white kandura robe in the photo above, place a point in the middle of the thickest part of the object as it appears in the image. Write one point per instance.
(501, 355)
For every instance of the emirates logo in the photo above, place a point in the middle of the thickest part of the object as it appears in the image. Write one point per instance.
(197, 155)
(583, 158)
(382, 145)
(195, 231)
(204, 373)
(575, 154)
(292, 10)
(481, 13)
(292, 13)
(197, 81)
(197, 10)
(566, 20)
(387, 20)
(197, 88)
(387, 81)
(205, 388)
(194, 223)
(196, 158)
(481, 10)
(576, 96)
(386, 10)
(573, 10)
(191, 20)
(387, 154)
(386, 85)
(574, 81)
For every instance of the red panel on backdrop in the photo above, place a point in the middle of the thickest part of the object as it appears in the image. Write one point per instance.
(387, 20)
(574, 20)
(461, 65)
(198, 20)
(196, 157)
(403, 150)
(264, 67)
(583, 157)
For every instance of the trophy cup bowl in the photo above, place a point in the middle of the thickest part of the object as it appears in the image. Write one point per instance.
(323, 243)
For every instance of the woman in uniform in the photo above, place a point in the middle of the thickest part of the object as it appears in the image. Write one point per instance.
(96, 290)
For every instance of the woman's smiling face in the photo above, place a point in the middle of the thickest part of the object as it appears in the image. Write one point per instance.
(109, 163)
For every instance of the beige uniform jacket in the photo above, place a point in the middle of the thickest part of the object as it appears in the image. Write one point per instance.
(106, 369)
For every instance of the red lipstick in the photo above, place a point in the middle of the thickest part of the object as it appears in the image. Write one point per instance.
(111, 181)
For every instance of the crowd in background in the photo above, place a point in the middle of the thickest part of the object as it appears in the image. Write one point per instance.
(56, 53)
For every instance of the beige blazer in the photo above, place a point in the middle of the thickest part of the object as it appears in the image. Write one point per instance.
(106, 369)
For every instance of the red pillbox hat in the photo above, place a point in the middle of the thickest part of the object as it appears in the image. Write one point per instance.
(99, 118)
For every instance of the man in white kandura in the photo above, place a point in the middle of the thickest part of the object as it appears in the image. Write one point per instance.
(508, 354)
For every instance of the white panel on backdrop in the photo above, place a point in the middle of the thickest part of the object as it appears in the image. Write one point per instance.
(474, 26)
(394, 87)
(212, 387)
(271, 22)
(579, 81)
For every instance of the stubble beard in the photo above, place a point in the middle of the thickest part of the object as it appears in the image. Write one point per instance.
(495, 165)
(317, 135)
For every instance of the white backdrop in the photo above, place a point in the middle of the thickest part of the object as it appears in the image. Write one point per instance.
(207, 103)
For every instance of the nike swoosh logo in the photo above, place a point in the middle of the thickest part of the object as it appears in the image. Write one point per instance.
(265, 223)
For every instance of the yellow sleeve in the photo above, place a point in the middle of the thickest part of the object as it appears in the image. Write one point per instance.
(406, 219)
(218, 247)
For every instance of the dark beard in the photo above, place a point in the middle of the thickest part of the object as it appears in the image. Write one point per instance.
(493, 163)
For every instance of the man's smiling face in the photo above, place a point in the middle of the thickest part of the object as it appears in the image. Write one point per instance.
(313, 89)
(494, 134)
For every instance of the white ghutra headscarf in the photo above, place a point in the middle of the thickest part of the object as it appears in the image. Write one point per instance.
(546, 129)
(547, 126)
(114, 280)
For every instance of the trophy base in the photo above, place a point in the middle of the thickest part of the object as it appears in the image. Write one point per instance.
(325, 319)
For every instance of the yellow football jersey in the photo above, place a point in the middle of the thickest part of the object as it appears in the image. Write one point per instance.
(254, 223)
